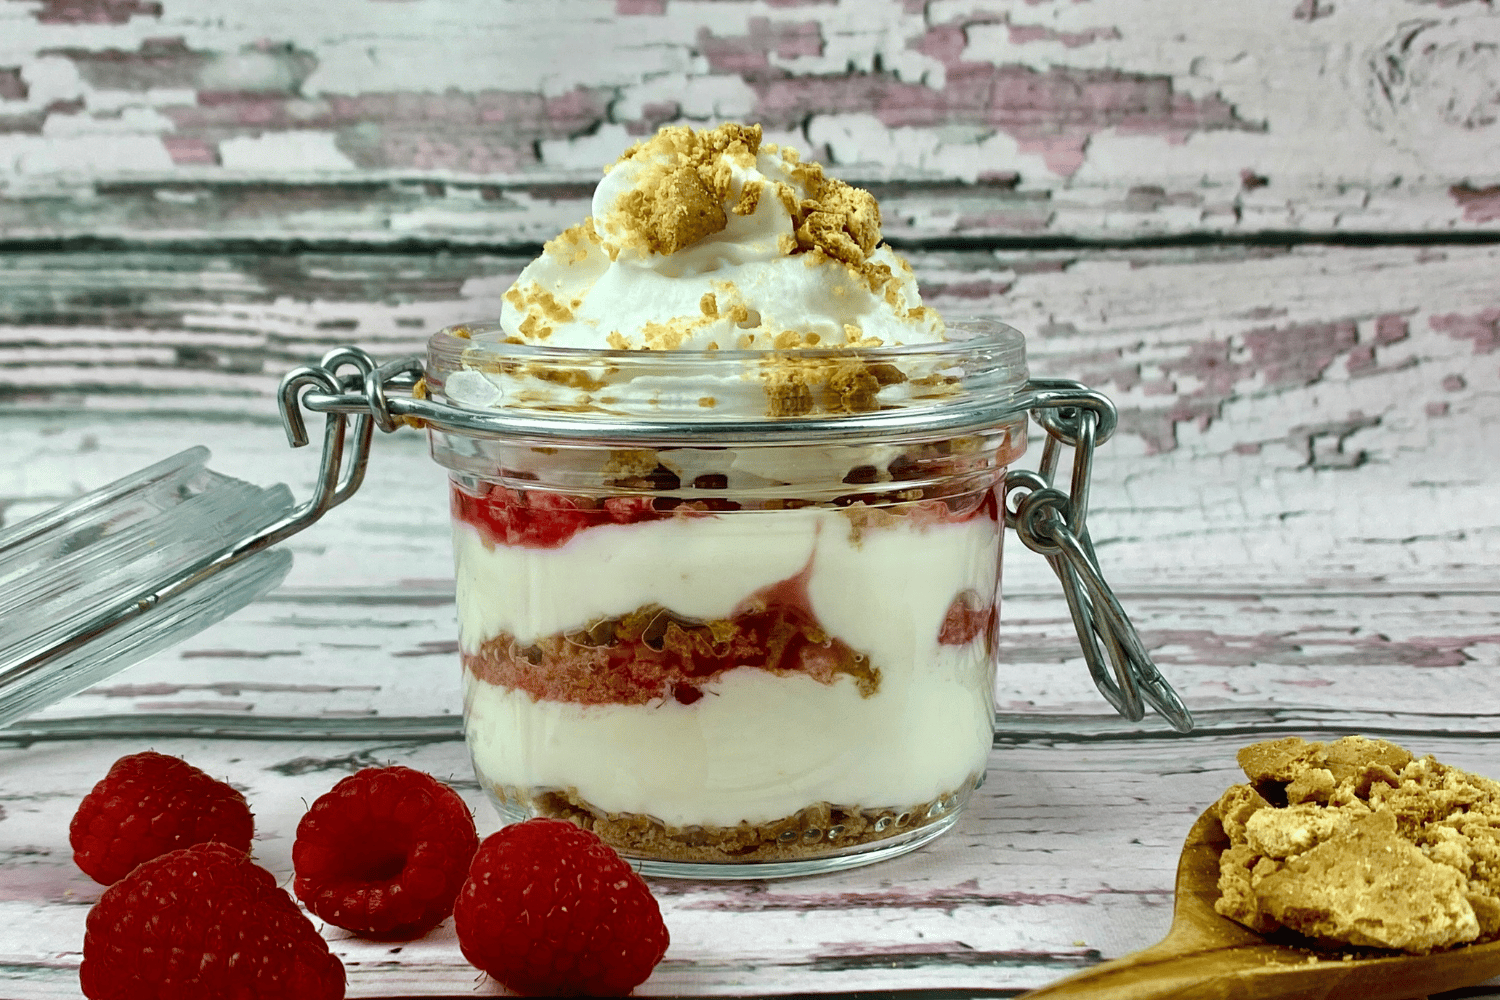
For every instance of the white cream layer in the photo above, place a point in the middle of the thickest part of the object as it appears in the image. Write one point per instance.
(757, 746)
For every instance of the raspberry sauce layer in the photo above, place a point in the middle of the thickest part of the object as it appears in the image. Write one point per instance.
(595, 665)
(543, 519)
(654, 652)
(969, 617)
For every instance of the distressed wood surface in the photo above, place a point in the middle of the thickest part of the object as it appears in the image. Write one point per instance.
(1271, 233)
(482, 122)
(1299, 513)
(1316, 415)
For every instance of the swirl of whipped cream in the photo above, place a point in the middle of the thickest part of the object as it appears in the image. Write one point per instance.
(712, 240)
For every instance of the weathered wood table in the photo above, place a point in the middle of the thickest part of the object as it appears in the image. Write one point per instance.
(1272, 236)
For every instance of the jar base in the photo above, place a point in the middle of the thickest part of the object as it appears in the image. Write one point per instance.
(857, 857)
(942, 815)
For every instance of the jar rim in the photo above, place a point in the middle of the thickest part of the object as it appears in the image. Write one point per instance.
(469, 343)
(489, 387)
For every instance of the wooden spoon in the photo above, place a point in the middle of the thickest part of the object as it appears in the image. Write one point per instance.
(1208, 957)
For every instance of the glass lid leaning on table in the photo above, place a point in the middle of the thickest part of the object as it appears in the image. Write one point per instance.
(92, 586)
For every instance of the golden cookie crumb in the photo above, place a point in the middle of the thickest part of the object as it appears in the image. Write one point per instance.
(541, 310)
(571, 246)
(685, 176)
(1367, 886)
(788, 393)
(1357, 842)
(665, 336)
(749, 198)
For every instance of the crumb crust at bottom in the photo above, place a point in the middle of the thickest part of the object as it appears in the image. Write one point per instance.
(817, 830)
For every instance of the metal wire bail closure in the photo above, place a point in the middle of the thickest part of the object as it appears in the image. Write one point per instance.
(1053, 523)
(1045, 518)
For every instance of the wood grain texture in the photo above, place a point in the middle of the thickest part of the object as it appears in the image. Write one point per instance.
(482, 122)
(1270, 233)
(1288, 416)
(1065, 857)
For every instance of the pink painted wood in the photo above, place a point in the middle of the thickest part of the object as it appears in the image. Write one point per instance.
(1269, 234)
(1302, 531)
(486, 123)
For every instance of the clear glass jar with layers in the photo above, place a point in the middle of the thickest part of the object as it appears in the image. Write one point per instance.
(729, 651)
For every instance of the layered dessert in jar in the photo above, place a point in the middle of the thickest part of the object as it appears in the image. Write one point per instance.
(733, 605)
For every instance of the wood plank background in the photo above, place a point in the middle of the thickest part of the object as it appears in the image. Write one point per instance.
(1270, 232)
(474, 121)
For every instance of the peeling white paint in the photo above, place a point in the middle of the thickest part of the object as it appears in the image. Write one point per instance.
(273, 151)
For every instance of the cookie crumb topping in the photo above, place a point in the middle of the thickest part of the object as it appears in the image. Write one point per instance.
(677, 197)
(714, 240)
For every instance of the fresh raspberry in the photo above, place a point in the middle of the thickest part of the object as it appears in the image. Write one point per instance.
(550, 909)
(149, 804)
(384, 852)
(204, 922)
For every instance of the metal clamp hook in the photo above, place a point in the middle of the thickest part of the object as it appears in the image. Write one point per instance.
(1052, 522)
(1046, 519)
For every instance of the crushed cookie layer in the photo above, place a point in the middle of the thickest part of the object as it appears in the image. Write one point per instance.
(822, 828)
(653, 653)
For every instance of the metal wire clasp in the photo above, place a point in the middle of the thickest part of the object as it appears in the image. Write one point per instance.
(349, 384)
(346, 453)
(1054, 523)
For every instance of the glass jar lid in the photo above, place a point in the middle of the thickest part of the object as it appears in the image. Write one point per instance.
(972, 381)
(92, 586)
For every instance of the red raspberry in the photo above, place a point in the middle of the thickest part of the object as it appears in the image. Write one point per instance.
(550, 909)
(384, 852)
(149, 804)
(204, 922)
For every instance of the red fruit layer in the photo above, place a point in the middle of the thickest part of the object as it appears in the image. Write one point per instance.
(546, 520)
(968, 617)
(653, 653)
(543, 520)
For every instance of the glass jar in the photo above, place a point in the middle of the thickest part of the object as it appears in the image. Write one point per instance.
(734, 611)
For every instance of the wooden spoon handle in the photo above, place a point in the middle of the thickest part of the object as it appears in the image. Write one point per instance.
(1164, 972)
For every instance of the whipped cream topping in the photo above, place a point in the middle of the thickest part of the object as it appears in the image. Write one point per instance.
(712, 240)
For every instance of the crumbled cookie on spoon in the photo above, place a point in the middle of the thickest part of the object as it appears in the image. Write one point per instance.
(1357, 842)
